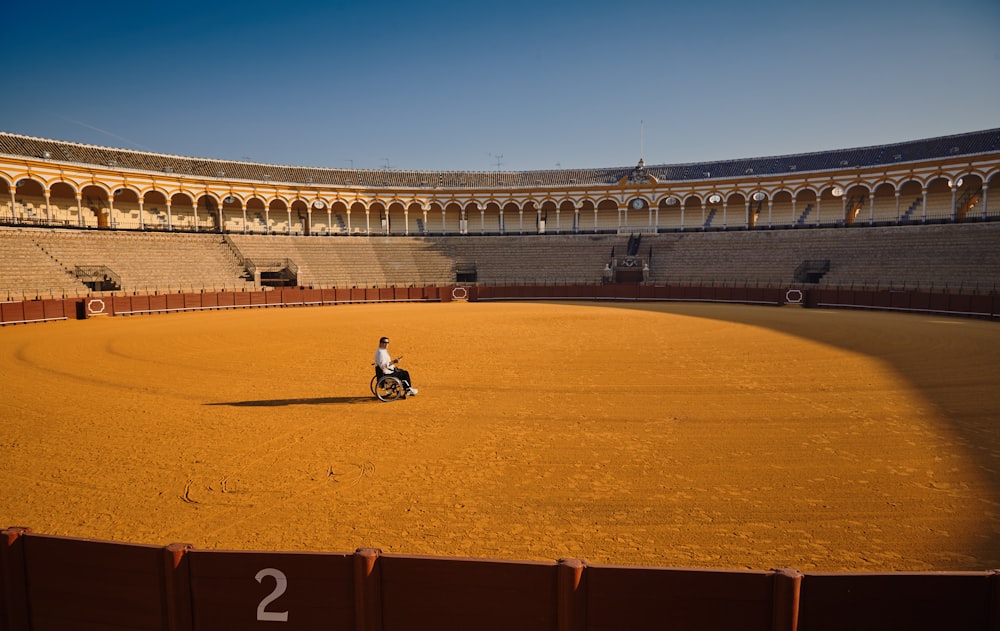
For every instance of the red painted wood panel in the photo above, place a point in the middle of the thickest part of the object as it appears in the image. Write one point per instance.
(270, 590)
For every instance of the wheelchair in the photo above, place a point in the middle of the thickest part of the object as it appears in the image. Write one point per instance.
(387, 387)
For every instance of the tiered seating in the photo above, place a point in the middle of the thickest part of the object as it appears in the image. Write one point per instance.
(961, 257)
(537, 259)
(29, 272)
(146, 262)
(350, 262)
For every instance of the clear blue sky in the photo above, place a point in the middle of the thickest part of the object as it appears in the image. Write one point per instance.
(447, 85)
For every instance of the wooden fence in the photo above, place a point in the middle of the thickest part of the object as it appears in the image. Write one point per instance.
(56, 583)
(986, 305)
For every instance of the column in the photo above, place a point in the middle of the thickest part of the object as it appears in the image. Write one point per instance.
(288, 230)
(142, 222)
(871, 208)
(986, 190)
(897, 205)
(170, 219)
(48, 208)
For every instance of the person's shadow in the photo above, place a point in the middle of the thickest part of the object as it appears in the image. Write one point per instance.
(264, 403)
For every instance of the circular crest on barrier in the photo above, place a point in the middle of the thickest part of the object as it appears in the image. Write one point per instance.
(794, 296)
(460, 293)
(95, 306)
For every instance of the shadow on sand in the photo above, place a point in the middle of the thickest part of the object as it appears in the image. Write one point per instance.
(267, 403)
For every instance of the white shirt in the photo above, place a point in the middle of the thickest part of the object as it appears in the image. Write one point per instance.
(383, 361)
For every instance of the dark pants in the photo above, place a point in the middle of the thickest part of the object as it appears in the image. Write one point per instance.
(403, 376)
(398, 373)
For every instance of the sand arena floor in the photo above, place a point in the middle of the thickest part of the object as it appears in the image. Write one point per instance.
(632, 434)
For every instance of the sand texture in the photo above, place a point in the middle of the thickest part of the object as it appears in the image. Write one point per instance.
(628, 434)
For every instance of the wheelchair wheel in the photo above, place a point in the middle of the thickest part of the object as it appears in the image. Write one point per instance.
(389, 389)
(374, 383)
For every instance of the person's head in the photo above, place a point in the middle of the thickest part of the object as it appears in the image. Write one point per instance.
(383, 342)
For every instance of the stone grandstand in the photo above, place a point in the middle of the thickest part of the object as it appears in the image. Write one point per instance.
(76, 220)
(41, 263)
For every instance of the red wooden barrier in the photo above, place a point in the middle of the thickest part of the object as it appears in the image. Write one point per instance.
(648, 598)
(985, 305)
(120, 304)
(440, 594)
(225, 299)
(140, 304)
(13, 597)
(61, 583)
(175, 302)
(33, 310)
(920, 300)
(982, 304)
(12, 311)
(255, 590)
(312, 296)
(157, 302)
(914, 602)
(80, 584)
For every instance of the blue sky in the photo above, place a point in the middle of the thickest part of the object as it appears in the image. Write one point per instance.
(513, 85)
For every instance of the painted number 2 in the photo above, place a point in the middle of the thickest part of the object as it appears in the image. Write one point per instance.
(280, 585)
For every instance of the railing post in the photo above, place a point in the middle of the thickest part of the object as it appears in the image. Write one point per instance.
(367, 590)
(571, 594)
(177, 587)
(13, 580)
(785, 612)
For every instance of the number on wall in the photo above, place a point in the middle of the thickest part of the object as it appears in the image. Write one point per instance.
(280, 585)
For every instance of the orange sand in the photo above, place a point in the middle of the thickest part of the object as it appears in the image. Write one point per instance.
(633, 434)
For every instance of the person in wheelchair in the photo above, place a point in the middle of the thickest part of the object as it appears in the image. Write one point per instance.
(386, 365)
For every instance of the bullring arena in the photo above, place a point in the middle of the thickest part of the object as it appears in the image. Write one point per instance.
(645, 393)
